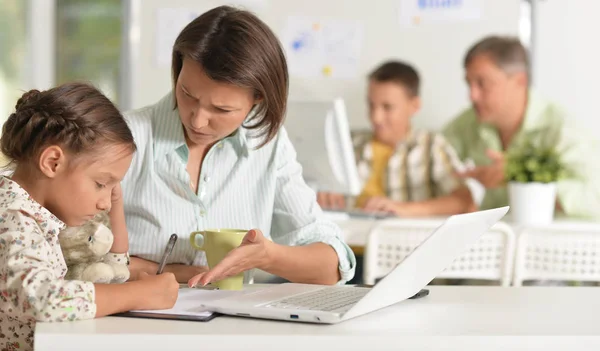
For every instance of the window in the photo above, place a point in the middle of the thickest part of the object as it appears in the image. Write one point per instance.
(88, 39)
(13, 61)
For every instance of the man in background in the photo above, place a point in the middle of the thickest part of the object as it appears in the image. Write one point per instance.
(503, 110)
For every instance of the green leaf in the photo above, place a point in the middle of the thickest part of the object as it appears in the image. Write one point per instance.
(534, 157)
(532, 164)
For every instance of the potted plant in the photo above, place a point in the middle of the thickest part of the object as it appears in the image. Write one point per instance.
(533, 166)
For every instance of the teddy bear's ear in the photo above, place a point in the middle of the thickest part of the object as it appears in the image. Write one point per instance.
(102, 218)
(65, 234)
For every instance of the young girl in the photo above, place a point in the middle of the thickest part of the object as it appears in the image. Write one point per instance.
(71, 147)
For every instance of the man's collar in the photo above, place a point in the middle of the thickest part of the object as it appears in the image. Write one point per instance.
(532, 121)
(534, 112)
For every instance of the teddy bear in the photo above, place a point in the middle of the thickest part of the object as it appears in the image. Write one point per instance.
(86, 252)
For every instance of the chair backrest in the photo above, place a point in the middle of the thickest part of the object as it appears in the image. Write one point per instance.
(390, 241)
(558, 252)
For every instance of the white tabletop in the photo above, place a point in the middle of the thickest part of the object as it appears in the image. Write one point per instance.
(450, 318)
(356, 230)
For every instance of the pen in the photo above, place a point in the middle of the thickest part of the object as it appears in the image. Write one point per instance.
(167, 252)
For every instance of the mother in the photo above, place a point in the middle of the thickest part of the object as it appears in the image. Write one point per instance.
(213, 154)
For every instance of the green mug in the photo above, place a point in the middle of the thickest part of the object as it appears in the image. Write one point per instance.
(216, 243)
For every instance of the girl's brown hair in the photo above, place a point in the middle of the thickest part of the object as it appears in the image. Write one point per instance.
(236, 47)
(75, 116)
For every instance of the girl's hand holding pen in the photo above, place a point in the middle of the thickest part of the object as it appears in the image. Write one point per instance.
(157, 292)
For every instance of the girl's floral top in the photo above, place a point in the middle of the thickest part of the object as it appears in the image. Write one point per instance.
(32, 269)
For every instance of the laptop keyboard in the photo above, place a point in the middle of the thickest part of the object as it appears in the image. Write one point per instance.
(331, 299)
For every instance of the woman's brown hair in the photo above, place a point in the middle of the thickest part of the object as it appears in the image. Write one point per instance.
(236, 47)
(75, 116)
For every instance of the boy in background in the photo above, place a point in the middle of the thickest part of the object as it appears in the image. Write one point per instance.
(406, 172)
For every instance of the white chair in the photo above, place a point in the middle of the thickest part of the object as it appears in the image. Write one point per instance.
(567, 252)
(390, 241)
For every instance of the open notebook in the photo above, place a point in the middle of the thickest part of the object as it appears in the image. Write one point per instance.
(188, 306)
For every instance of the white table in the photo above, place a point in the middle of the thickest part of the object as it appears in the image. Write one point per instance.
(356, 230)
(450, 318)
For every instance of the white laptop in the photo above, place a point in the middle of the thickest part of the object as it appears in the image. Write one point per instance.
(333, 304)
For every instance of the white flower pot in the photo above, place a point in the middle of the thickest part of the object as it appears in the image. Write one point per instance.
(532, 203)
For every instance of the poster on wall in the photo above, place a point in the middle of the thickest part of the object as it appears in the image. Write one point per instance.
(416, 13)
(323, 48)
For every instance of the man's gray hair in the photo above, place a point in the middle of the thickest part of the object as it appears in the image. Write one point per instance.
(506, 52)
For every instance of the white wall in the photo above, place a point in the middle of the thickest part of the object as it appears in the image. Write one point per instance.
(566, 61)
(436, 50)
